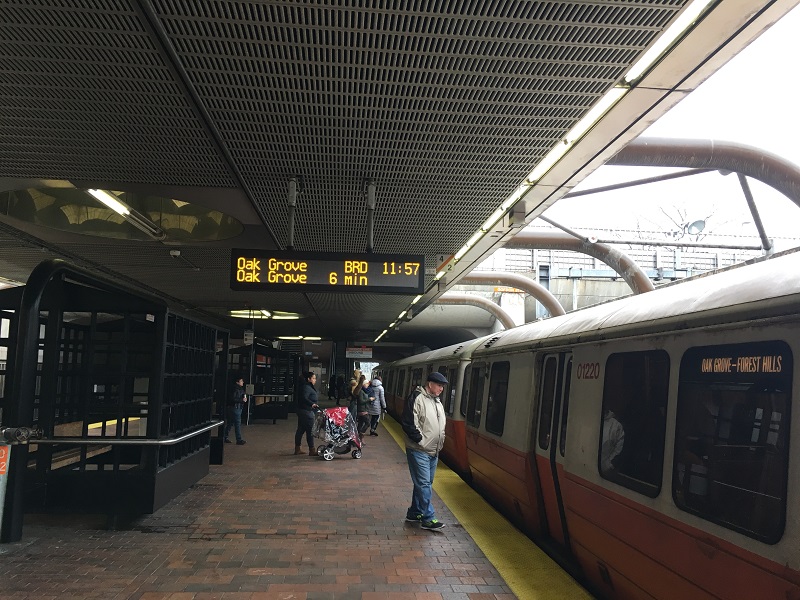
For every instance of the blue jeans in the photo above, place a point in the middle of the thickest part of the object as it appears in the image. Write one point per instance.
(422, 467)
(235, 420)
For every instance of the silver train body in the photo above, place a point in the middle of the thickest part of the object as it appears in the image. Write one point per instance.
(654, 440)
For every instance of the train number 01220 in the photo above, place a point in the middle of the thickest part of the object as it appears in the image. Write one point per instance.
(588, 370)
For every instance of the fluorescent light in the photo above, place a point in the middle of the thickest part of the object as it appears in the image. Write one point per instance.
(290, 337)
(493, 219)
(392, 324)
(402, 314)
(139, 221)
(682, 24)
(456, 258)
(417, 299)
(313, 338)
(110, 201)
(515, 195)
(597, 111)
(440, 274)
(383, 333)
(265, 313)
(578, 130)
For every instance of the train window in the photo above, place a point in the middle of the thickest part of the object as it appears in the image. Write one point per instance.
(498, 392)
(465, 390)
(451, 395)
(475, 397)
(732, 436)
(562, 440)
(634, 420)
(390, 382)
(416, 379)
(401, 382)
(547, 396)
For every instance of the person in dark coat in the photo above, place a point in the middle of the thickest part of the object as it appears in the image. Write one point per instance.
(236, 404)
(306, 406)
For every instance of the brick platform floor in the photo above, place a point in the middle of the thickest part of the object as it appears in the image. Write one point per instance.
(265, 525)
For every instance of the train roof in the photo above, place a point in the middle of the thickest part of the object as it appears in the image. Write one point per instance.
(772, 284)
(461, 350)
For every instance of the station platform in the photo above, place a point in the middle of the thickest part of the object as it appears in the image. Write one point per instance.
(269, 525)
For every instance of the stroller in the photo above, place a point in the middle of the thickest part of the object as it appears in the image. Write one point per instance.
(337, 428)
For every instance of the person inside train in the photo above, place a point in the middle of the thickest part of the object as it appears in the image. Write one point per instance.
(613, 441)
(423, 423)
(236, 404)
(306, 406)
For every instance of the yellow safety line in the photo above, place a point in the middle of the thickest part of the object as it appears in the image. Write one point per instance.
(99, 424)
(526, 569)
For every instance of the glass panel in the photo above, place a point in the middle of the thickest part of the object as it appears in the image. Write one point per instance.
(498, 393)
(634, 420)
(475, 400)
(546, 397)
(465, 391)
(451, 396)
(732, 436)
(562, 439)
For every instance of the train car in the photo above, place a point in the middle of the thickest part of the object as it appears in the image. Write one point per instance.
(652, 439)
(450, 361)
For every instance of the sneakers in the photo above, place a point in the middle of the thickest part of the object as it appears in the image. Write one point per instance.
(433, 524)
(375, 433)
(240, 442)
(413, 519)
(227, 441)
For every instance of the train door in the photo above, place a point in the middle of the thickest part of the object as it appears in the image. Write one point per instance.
(550, 439)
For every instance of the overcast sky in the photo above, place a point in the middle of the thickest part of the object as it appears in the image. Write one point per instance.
(752, 100)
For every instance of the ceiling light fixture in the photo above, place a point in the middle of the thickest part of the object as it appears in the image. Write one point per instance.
(685, 21)
(133, 217)
(383, 333)
(600, 108)
(263, 313)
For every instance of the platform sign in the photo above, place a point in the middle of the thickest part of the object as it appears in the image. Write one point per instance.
(263, 270)
(362, 352)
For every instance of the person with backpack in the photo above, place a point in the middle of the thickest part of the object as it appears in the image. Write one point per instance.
(423, 422)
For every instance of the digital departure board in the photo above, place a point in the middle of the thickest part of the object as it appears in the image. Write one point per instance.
(264, 270)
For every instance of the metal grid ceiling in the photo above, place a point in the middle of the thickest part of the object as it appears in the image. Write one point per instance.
(445, 105)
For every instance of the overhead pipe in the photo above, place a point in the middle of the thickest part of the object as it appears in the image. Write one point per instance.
(534, 288)
(623, 264)
(774, 170)
(468, 300)
(766, 243)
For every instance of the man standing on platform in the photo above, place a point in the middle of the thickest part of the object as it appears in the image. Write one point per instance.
(423, 422)
(235, 406)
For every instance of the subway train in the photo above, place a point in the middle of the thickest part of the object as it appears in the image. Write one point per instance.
(649, 441)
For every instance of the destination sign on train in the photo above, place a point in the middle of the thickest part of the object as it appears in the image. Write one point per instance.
(327, 271)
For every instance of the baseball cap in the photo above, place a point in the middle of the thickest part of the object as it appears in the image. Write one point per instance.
(437, 377)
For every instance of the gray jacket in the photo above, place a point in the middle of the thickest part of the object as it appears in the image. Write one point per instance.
(423, 422)
(376, 406)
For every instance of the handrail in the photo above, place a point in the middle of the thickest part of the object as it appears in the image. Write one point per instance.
(127, 442)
